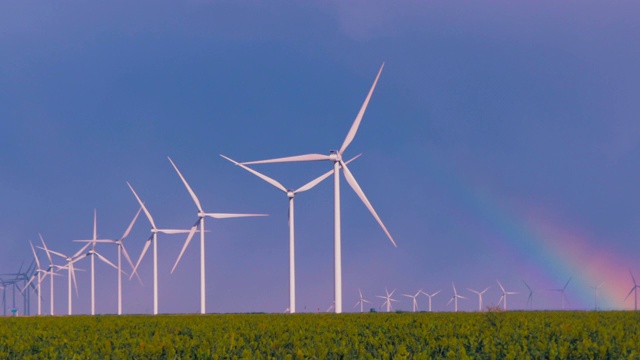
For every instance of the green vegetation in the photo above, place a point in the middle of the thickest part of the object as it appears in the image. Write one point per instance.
(491, 335)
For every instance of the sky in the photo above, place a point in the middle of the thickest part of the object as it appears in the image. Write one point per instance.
(501, 143)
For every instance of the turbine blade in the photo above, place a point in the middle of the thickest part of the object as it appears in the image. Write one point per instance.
(501, 287)
(307, 157)
(144, 251)
(193, 195)
(126, 233)
(146, 212)
(320, 178)
(81, 250)
(260, 175)
(126, 256)
(95, 224)
(173, 231)
(45, 248)
(354, 185)
(186, 243)
(104, 259)
(228, 216)
(73, 276)
(356, 123)
(34, 254)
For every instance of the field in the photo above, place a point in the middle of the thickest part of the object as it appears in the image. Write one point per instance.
(490, 335)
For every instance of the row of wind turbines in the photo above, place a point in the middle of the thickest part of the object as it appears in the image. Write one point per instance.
(89, 249)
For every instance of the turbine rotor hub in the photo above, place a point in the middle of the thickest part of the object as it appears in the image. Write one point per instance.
(291, 194)
(335, 156)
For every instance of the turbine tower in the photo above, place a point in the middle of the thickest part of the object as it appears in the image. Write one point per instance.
(361, 301)
(430, 296)
(455, 298)
(200, 223)
(414, 298)
(634, 290)
(503, 298)
(388, 299)
(479, 293)
(291, 195)
(595, 295)
(561, 291)
(338, 163)
(153, 238)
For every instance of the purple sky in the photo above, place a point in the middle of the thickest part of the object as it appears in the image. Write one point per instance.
(492, 123)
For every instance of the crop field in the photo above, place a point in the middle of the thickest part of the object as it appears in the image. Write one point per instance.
(490, 335)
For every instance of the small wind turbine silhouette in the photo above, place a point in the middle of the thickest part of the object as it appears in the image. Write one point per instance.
(634, 290)
(414, 298)
(455, 298)
(503, 298)
(431, 296)
(563, 297)
(361, 301)
(595, 294)
(479, 293)
(388, 299)
(530, 297)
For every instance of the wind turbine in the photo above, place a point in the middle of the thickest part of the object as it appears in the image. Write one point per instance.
(121, 249)
(200, 222)
(361, 301)
(338, 163)
(37, 272)
(414, 298)
(153, 238)
(595, 295)
(455, 298)
(503, 298)
(431, 296)
(93, 253)
(530, 297)
(388, 299)
(49, 271)
(634, 290)
(479, 293)
(561, 291)
(71, 271)
(291, 195)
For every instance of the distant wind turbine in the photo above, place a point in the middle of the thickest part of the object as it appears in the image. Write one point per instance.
(530, 297)
(455, 298)
(634, 290)
(36, 275)
(414, 298)
(479, 293)
(49, 272)
(503, 298)
(563, 297)
(595, 295)
(153, 238)
(362, 301)
(200, 222)
(388, 299)
(431, 296)
(291, 195)
(71, 274)
(338, 163)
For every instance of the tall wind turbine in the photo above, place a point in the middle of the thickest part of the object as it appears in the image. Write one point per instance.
(479, 293)
(387, 298)
(70, 271)
(153, 238)
(503, 298)
(455, 298)
(200, 222)
(36, 275)
(121, 249)
(561, 291)
(530, 297)
(431, 296)
(595, 294)
(634, 290)
(361, 301)
(93, 253)
(291, 195)
(49, 272)
(338, 163)
(414, 298)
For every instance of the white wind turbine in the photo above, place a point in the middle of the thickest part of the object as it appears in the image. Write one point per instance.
(414, 298)
(121, 249)
(49, 272)
(530, 297)
(479, 293)
(455, 298)
(563, 297)
(503, 298)
(388, 299)
(71, 274)
(634, 290)
(338, 163)
(430, 296)
(361, 302)
(153, 238)
(200, 222)
(93, 253)
(291, 195)
(38, 271)
(595, 295)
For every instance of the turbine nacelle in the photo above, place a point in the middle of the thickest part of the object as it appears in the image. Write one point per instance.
(335, 156)
(291, 194)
